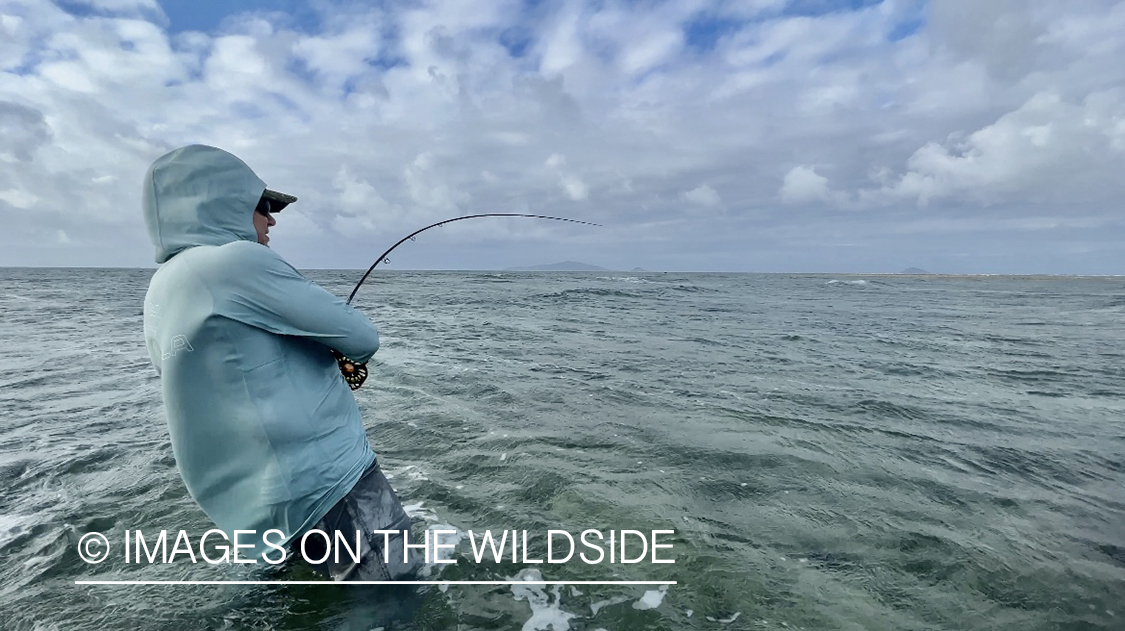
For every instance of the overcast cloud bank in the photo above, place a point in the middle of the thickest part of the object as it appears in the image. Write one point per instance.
(767, 135)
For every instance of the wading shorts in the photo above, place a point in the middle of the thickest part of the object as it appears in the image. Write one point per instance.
(370, 505)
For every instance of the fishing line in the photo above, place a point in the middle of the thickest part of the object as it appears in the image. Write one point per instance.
(354, 372)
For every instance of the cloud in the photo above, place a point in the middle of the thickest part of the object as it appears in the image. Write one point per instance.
(18, 198)
(633, 115)
(22, 130)
(296, 227)
(570, 184)
(702, 195)
(335, 58)
(358, 205)
(1001, 34)
(574, 188)
(560, 45)
(428, 185)
(1046, 150)
(802, 185)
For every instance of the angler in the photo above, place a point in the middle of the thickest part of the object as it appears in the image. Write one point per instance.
(265, 433)
(266, 437)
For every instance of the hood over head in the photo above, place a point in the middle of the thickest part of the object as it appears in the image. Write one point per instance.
(199, 195)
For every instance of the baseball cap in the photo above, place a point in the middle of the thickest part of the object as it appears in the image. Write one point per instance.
(277, 199)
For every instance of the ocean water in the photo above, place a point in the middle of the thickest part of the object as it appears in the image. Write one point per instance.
(832, 452)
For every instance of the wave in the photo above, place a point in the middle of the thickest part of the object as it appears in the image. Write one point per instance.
(625, 279)
(590, 291)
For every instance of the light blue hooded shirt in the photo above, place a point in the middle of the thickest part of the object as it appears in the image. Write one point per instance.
(265, 431)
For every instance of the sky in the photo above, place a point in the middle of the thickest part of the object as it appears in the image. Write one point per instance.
(858, 136)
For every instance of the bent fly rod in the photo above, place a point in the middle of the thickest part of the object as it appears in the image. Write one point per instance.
(354, 372)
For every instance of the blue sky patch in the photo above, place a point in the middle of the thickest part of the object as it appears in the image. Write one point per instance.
(517, 40)
(813, 8)
(246, 110)
(387, 61)
(905, 29)
(703, 32)
(192, 15)
(84, 10)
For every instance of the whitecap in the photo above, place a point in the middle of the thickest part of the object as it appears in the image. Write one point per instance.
(451, 536)
(596, 607)
(419, 511)
(651, 599)
(546, 614)
(624, 279)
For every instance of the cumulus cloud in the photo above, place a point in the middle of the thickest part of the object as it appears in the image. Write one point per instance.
(702, 195)
(358, 206)
(574, 188)
(803, 184)
(1048, 150)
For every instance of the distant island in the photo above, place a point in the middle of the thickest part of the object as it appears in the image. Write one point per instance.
(914, 270)
(565, 266)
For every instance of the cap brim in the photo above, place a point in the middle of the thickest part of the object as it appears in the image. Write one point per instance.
(278, 200)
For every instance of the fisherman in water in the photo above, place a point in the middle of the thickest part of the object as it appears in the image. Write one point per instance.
(266, 433)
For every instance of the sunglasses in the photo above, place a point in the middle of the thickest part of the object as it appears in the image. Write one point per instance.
(264, 208)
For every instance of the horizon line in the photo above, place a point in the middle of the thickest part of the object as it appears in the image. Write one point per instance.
(881, 273)
(642, 271)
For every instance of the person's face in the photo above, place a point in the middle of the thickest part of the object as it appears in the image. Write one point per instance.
(263, 219)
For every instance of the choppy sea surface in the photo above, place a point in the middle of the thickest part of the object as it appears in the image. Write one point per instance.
(833, 452)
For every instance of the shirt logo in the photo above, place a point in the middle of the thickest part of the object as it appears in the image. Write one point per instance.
(178, 343)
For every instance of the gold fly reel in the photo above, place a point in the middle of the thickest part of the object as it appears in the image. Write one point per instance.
(354, 372)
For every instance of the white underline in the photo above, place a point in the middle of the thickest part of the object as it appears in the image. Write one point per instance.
(375, 582)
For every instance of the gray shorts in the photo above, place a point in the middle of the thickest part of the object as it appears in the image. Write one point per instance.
(370, 505)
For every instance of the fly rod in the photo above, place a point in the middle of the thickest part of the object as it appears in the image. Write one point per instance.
(354, 372)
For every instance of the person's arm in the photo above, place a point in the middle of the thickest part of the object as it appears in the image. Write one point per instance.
(262, 290)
